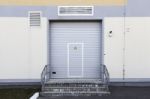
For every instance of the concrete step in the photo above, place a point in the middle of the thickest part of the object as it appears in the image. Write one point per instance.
(75, 85)
(88, 88)
(74, 81)
(53, 87)
(74, 89)
(90, 93)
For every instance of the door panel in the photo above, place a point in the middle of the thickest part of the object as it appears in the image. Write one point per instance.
(75, 60)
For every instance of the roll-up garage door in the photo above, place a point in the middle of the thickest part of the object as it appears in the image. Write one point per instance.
(75, 49)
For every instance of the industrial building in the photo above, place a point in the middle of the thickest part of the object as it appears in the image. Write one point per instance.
(74, 47)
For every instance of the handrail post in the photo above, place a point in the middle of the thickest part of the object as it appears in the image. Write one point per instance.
(105, 73)
(102, 73)
(45, 75)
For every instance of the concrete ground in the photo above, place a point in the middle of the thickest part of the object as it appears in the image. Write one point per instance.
(116, 93)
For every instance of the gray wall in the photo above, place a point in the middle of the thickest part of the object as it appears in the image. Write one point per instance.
(138, 8)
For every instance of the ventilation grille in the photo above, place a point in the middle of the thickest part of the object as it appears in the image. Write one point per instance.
(35, 19)
(75, 10)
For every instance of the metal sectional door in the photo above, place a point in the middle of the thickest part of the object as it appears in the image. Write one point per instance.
(75, 49)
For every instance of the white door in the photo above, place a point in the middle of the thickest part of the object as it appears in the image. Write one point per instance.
(75, 59)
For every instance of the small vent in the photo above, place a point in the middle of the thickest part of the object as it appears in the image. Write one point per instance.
(35, 19)
(75, 10)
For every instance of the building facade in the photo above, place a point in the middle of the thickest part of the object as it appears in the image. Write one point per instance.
(74, 38)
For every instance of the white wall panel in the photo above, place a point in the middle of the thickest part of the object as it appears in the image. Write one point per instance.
(137, 47)
(22, 49)
(38, 39)
(113, 46)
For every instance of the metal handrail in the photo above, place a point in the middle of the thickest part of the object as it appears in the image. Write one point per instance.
(106, 77)
(45, 75)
